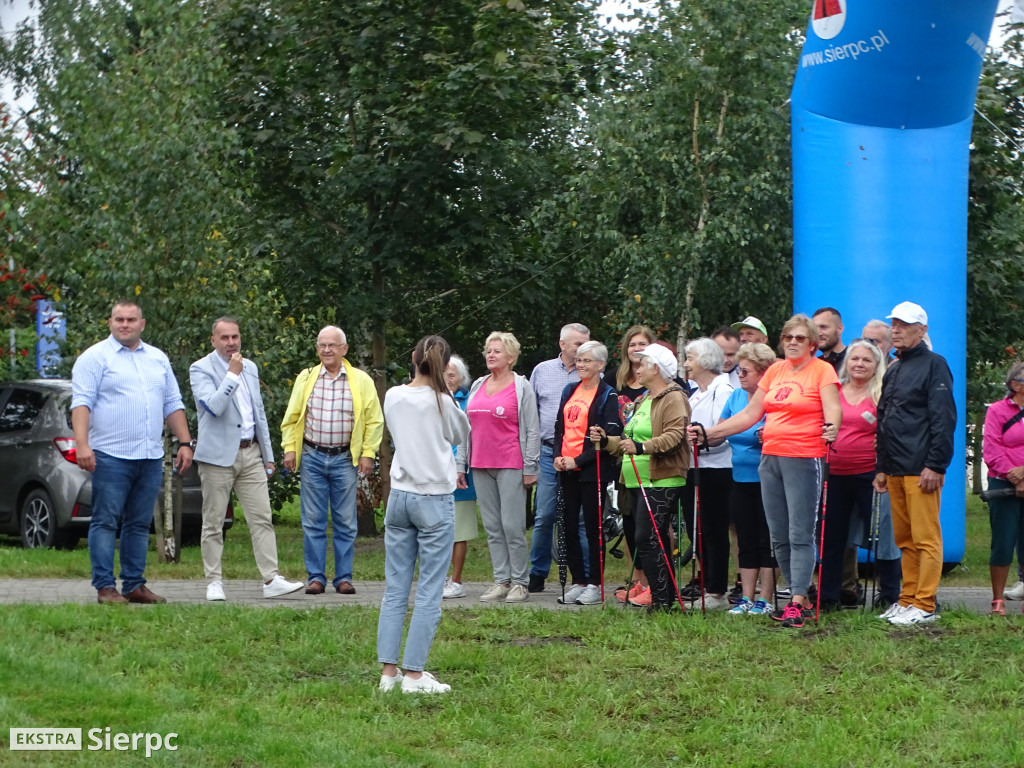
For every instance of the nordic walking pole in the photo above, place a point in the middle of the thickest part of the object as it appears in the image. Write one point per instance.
(699, 551)
(600, 522)
(661, 543)
(876, 514)
(821, 545)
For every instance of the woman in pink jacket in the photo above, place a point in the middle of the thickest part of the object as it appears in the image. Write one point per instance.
(1003, 449)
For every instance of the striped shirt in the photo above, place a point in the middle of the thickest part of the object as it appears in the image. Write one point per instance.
(548, 380)
(129, 394)
(330, 415)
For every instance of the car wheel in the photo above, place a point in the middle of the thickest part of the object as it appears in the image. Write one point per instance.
(38, 521)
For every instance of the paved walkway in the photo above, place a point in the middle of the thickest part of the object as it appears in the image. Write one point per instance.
(80, 591)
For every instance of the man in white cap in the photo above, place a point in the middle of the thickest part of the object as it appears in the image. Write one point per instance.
(916, 421)
(751, 331)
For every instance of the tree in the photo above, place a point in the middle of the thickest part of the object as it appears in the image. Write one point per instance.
(688, 194)
(399, 149)
(995, 235)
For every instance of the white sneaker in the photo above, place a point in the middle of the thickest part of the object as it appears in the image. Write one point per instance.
(893, 610)
(453, 589)
(517, 594)
(589, 596)
(426, 683)
(495, 594)
(388, 683)
(1016, 592)
(215, 591)
(712, 603)
(281, 586)
(913, 615)
(571, 594)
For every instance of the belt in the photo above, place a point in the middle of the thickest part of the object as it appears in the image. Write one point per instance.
(246, 443)
(549, 443)
(330, 450)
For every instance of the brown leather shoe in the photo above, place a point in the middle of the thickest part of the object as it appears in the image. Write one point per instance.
(144, 595)
(315, 588)
(110, 595)
(346, 588)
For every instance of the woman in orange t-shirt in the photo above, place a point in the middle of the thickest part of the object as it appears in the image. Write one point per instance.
(800, 396)
(592, 402)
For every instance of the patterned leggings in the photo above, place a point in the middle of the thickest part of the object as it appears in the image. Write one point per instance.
(664, 502)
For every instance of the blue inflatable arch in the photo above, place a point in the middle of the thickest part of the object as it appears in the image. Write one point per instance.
(882, 110)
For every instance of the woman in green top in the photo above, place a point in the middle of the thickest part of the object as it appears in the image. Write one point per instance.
(656, 439)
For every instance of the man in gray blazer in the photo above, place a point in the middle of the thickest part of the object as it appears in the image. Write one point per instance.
(233, 452)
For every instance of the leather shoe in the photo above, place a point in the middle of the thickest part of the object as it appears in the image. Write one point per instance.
(144, 595)
(110, 595)
(346, 588)
(315, 588)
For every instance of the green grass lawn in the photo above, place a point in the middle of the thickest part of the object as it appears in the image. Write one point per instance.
(277, 687)
(369, 560)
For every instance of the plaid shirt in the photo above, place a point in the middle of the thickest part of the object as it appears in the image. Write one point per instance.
(329, 414)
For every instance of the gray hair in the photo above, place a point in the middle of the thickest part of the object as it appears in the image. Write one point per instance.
(460, 366)
(595, 349)
(569, 328)
(225, 319)
(884, 326)
(333, 328)
(1015, 373)
(709, 355)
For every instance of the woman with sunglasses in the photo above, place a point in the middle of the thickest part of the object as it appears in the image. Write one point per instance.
(800, 396)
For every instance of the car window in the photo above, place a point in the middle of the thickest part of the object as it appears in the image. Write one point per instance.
(21, 410)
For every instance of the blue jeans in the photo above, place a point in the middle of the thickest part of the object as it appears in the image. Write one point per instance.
(423, 526)
(123, 494)
(327, 481)
(546, 518)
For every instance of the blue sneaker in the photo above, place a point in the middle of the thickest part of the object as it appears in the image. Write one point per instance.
(743, 607)
(760, 608)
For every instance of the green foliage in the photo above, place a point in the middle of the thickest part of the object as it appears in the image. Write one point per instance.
(687, 197)
(995, 267)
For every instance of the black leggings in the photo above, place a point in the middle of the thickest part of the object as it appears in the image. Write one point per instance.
(715, 486)
(579, 494)
(752, 536)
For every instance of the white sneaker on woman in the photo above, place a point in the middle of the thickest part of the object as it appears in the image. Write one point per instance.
(590, 596)
(518, 593)
(571, 594)
(453, 589)
(495, 594)
(425, 683)
(1016, 592)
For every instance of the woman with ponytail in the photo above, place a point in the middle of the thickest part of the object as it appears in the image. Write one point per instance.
(425, 423)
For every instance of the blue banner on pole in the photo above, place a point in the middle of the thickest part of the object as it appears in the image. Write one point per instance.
(51, 330)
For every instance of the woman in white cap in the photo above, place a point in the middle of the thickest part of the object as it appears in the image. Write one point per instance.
(655, 438)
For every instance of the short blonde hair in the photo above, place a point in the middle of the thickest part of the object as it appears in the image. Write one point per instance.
(760, 355)
(801, 320)
(508, 341)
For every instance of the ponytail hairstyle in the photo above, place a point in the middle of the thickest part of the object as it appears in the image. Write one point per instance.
(431, 357)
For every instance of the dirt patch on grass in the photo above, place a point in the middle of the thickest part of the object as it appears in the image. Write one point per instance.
(931, 631)
(525, 642)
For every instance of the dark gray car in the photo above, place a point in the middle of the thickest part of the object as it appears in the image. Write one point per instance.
(45, 497)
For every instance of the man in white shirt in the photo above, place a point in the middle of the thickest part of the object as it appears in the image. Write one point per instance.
(233, 452)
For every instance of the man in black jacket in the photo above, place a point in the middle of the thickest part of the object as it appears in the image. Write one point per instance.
(916, 419)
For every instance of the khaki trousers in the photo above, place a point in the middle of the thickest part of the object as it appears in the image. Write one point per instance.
(248, 477)
(915, 524)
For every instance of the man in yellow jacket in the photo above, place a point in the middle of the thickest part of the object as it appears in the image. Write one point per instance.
(331, 430)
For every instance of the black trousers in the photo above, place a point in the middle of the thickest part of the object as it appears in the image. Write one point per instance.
(715, 487)
(579, 495)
